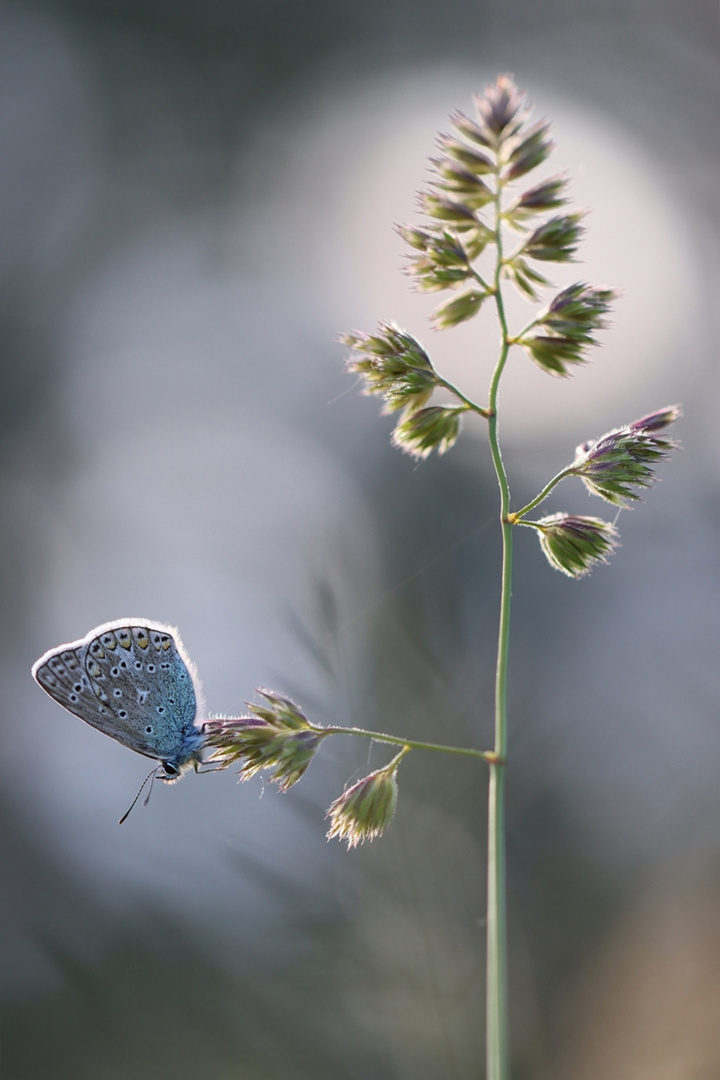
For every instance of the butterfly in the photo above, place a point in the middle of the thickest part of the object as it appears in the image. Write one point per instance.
(133, 680)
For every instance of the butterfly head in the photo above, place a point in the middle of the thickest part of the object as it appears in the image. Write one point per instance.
(171, 770)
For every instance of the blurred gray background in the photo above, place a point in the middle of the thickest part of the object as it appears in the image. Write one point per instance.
(195, 198)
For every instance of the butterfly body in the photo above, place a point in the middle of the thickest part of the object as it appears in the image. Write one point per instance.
(132, 680)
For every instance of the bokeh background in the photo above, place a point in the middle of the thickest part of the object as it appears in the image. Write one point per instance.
(194, 199)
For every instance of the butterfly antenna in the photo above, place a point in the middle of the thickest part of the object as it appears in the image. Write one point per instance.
(150, 776)
(146, 800)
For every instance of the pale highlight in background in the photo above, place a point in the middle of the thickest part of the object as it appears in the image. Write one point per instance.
(356, 168)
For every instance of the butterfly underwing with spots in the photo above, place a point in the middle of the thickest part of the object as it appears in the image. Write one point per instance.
(133, 680)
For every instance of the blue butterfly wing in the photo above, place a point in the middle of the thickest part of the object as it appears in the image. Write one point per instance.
(131, 682)
(61, 673)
